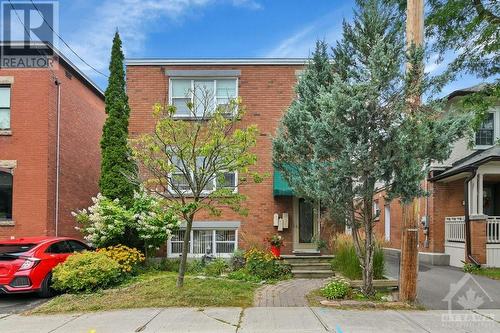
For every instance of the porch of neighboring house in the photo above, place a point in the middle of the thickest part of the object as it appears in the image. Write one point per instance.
(483, 172)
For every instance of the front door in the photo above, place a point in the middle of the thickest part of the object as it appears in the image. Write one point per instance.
(306, 228)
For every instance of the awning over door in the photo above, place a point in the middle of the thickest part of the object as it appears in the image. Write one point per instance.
(280, 185)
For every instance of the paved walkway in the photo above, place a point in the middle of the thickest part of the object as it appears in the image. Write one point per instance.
(287, 293)
(254, 320)
(434, 283)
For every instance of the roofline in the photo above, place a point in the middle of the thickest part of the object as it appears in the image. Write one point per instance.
(214, 61)
(465, 168)
(65, 61)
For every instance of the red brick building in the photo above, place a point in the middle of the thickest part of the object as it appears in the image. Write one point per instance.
(266, 87)
(473, 171)
(43, 112)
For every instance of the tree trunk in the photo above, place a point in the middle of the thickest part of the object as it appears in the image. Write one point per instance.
(409, 254)
(185, 249)
(369, 250)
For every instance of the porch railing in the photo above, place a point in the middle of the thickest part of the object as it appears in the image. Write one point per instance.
(454, 229)
(493, 229)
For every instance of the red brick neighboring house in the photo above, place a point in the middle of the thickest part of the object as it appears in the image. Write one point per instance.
(31, 103)
(266, 87)
(443, 215)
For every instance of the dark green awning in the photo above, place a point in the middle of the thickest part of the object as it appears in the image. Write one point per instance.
(280, 185)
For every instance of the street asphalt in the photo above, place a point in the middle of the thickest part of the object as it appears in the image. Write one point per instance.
(434, 283)
(255, 320)
(18, 303)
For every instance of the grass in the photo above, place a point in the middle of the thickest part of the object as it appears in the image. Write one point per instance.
(492, 273)
(156, 290)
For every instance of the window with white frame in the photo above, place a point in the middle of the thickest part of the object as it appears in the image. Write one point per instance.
(485, 135)
(376, 209)
(203, 94)
(4, 107)
(219, 242)
(179, 181)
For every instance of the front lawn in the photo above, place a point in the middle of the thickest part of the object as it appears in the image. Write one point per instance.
(492, 273)
(157, 290)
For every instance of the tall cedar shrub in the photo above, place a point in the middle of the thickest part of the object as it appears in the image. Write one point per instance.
(118, 170)
(336, 145)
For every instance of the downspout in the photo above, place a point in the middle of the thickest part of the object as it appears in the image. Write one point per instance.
(468, 249)
(58, 154)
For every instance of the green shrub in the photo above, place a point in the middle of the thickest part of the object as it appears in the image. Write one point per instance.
(265, 266)
(237, 260)
(128, 258)
(243, 275)
(194, 267)
(86, 271)
(470, 267)
(336, 289)
(347, 263)
(172, 265)
(216, 267)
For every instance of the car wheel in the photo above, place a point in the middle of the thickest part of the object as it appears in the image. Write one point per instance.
(46, 287)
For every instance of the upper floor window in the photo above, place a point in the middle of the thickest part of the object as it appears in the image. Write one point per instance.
(485, 135)
(4, 107)
(200, 97)
(5, 195)
(182, 178)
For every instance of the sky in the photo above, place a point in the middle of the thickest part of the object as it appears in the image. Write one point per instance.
(203, 28)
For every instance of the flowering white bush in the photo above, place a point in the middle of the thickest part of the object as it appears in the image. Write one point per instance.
(104, 222)
(153, 222)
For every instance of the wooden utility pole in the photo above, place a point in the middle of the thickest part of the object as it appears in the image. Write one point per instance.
(409, 241)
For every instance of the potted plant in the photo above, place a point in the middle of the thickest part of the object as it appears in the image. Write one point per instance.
(276, 242)
(321, 244)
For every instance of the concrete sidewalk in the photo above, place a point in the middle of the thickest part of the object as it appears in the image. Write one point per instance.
(259, 319)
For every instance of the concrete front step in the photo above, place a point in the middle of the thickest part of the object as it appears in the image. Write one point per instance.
(314, 266)
(312, 274)
(291, 259)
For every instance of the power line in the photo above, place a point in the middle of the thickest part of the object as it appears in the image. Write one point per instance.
(54, 76)
(62, 40)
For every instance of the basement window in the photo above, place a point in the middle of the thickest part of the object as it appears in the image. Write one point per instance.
(218, 242)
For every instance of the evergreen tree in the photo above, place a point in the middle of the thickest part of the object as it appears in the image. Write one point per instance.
(118, 170)
(363, 131)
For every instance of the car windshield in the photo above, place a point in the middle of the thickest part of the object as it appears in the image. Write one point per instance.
(15, 248)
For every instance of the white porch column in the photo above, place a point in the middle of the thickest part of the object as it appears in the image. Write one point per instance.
(473, 196)
(480, 194)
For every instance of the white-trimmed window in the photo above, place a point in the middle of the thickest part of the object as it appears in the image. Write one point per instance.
(485, 135)
(4, 107)
(376, 209)
(219, 242)
(208, 93)
(179, 181)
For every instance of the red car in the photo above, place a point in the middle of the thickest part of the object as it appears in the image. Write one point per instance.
(26, 263)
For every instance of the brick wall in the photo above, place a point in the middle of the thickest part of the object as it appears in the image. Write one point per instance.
(82, 118)
(266, 91)
(28, 145)
(446, 199)
(33, 145)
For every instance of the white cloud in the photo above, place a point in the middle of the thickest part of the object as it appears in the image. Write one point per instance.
(133, 18)
(250, 4)
(302, 42)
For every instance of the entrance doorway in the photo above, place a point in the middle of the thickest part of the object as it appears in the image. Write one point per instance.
(306, 228)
